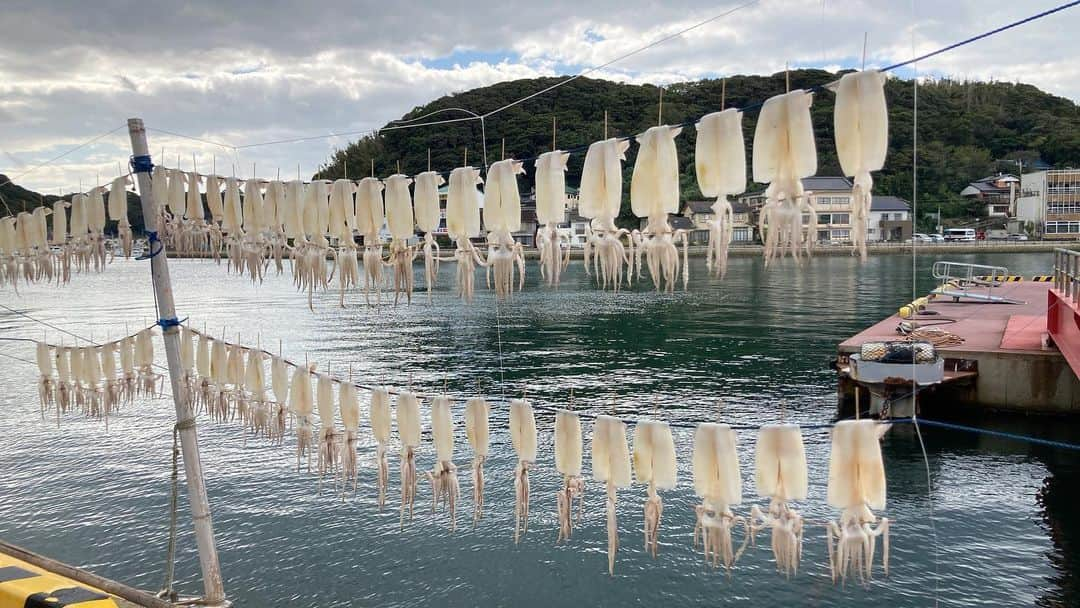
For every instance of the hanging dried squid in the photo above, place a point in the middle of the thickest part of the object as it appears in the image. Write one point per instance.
(550, 212)
(463, 224)
(443, 477)
(720, 163)
(568, 456)
(370, 216)
(780, 476)
(523, 438)
(399, 220)
(856, 485)
(654, 464)
(476, 430)
(349, 405)
(300, 402)
(46, 382)
(408, 424)
(784, 153)
(861, 121)
(380, 427)
(611, 465)
(600, 200)
(654, 194)
(426, 207)
(328, 451)
(502, 217)
(719, 484)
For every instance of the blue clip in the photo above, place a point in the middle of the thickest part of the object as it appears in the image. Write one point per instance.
(141, 164)
(173, 322)
(151, 238)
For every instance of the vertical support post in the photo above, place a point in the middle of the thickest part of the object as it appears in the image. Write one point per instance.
(213, 587)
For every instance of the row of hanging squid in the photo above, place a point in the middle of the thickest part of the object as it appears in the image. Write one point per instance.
(27, 244)
(256, 222)
(88, 379)
(227, 381)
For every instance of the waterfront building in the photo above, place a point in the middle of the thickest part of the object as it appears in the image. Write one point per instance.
(1051, 200)
(996, 194)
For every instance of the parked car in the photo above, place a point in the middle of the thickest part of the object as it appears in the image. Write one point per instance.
(919, 237)
(1018, 237)
(937, 238)
(960, 235)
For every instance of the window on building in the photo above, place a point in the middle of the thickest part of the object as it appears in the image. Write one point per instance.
(1059, 207)
(841, 235)
(1062, 228)
(841, 218)
(822, 235)
(824, 218)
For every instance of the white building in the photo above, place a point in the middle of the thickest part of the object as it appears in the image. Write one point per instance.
(889, 220)
(1051, 200)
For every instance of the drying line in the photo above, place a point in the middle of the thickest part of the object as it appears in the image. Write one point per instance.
(997, 30)
(59, 156)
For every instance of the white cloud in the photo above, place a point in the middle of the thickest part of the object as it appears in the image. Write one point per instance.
(239, 72)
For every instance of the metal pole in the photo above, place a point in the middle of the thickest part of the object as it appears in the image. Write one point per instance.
(213, 588)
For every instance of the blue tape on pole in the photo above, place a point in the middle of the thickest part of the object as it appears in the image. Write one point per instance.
(141, 164)
(151, 239)
(167, 323)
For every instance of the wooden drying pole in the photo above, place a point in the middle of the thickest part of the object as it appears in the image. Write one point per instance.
(213, 586)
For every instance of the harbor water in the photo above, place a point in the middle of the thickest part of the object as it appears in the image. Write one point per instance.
(978, 521)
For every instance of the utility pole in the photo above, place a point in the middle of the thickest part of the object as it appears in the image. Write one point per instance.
(213, 587)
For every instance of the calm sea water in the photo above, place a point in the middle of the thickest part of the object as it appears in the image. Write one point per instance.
(993, 527)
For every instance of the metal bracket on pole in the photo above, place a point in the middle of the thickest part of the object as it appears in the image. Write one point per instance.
(213, 586)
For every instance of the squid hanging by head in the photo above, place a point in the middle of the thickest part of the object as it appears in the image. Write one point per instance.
(214, 202)
(279, 383)
(328, 451)
(463, 224)
(780, 476)
(719, 484)
(654, 194)
(611, 465)
(349, 404)
(861, 121)
(342, 220)
(254, 248)
(654, 464)
(59, 238)
(409, 430)
(300, 402)
(255, 380)
(426, 207)
(118, 212)
(502, 217)
(856, 485)
(443, 478)
(380, 427)
(46, 383)
(568, 455)
(144, 362)
(95, 221)
(273, 217)
(784, 153)
(370, 215)
(523, 438)
(65, 387)
(399, 220)
(550, 212)
(232, 225)
(476, 430)
(600, 200)
(720, 161)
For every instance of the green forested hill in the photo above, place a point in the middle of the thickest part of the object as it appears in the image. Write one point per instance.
(963, 128)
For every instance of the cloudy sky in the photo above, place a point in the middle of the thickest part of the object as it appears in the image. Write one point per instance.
(243, 72)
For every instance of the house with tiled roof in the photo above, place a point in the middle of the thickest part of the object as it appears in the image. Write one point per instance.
(996, 193)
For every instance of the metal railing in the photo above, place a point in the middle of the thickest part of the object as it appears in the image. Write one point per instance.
(1067, 273)
(963, 274)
